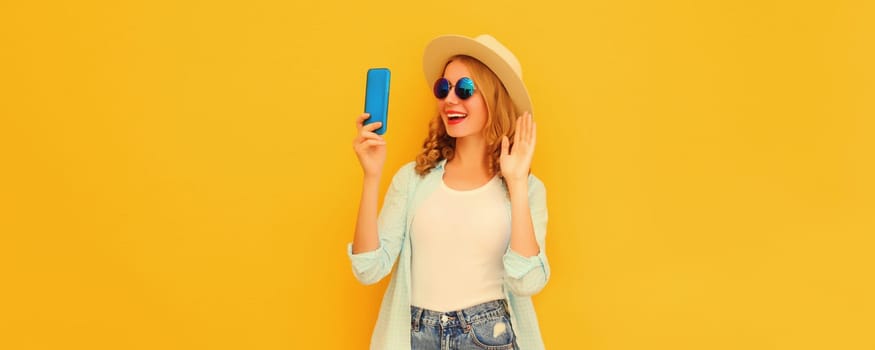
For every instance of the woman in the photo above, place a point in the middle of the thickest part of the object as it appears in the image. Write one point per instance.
(466, 218)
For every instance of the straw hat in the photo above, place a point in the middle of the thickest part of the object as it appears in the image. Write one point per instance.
(485, 49)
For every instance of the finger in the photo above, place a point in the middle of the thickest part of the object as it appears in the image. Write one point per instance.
(523, 127)
(529, 127)
(364, 134)
(525, 130)
(534, 133)
(373, 143)
(504, 145)
(372, 126)
(361, 118)
(368, 144)
(517, 131)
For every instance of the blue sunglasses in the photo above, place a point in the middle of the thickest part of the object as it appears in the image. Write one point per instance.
(464, 88)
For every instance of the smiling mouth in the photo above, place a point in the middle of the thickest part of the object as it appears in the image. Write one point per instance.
(455, 118)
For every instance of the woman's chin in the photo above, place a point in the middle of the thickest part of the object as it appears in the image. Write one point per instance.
(454, 134)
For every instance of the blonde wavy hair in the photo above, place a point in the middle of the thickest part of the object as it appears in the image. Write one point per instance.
(500, 121)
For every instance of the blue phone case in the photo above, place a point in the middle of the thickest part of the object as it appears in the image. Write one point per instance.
(377, 97)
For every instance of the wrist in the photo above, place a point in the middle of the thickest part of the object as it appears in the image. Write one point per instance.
(516, 181)
(372, 178)
(517, 185)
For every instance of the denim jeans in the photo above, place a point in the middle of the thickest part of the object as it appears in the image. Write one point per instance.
(483, 326)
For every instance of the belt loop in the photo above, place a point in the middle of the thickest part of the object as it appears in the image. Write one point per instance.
(416, 319)
(462, 322)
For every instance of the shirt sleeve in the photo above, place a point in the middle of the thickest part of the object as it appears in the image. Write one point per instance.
(528, 275)
(370, 267)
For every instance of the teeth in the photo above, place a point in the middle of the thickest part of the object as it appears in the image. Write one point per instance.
(456, 115)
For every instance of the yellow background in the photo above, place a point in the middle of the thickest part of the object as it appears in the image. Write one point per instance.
(180, 175)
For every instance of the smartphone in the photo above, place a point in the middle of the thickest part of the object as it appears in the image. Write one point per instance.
(377, 97)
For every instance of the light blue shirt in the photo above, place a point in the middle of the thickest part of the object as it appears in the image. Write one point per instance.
(524, 277)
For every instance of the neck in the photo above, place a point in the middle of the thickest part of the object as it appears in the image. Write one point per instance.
(470, 153)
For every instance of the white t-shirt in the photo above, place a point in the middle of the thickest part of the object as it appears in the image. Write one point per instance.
(458, 240)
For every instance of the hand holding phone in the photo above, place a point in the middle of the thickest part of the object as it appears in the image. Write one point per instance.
(377, 97)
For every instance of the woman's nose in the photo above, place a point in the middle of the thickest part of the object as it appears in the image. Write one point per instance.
(452, 98)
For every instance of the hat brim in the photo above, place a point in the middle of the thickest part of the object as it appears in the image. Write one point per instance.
(439, 51)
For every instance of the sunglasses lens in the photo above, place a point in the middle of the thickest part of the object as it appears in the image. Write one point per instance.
(441, 88)
(465, 88)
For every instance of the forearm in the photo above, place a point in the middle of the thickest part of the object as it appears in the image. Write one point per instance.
(522, 233)
(366, 237)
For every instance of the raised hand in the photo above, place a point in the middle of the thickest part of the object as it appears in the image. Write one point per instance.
(369, 147)
(516, 161)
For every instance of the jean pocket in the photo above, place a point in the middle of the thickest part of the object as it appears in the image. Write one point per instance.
(494, 333)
